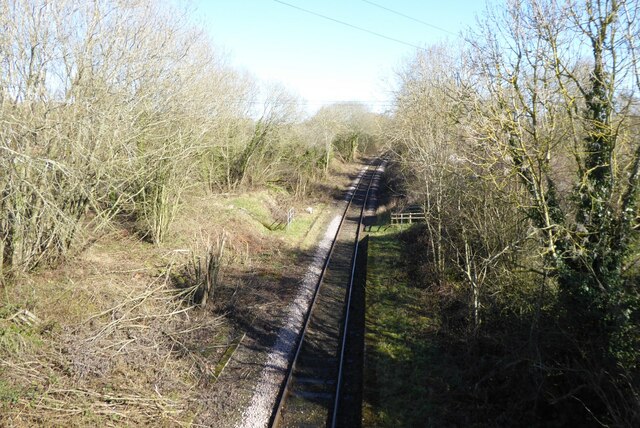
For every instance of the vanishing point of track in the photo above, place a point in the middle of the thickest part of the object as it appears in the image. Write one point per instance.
(321, 387)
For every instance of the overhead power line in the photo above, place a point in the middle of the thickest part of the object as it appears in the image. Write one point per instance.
(408, 17)
(349, 25)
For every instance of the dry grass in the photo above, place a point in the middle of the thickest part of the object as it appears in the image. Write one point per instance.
(113, 342)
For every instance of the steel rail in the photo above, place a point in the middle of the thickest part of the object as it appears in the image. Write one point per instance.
(345, 328)
(276, 414)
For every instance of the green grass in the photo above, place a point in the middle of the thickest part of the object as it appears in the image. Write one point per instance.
(398, 354)
(15, 339)
(305, 227)
(9, 393)
(256, 206)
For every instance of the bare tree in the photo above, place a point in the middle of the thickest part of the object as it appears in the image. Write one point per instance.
(103, 107)
(556, 73)
(558, 81)
(470, 230)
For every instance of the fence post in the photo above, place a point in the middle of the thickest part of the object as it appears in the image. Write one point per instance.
(290, 215)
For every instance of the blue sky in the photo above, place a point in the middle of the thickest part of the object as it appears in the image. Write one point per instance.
(323, 61)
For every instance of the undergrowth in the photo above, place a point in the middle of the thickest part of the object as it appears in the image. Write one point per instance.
(428, 366)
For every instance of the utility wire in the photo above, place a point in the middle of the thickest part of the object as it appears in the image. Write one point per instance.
(409, 17)
(349, 25)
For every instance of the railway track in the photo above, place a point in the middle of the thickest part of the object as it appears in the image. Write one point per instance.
(323, 382)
